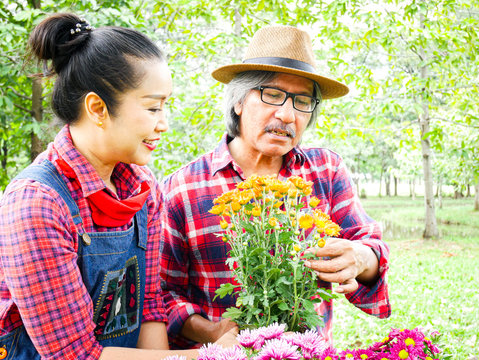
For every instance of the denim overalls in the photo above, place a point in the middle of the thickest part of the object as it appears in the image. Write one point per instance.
(112, 265)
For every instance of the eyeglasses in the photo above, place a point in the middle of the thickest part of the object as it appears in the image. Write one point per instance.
(277, 97)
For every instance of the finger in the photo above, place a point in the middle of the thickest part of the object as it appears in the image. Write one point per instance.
(333, 248)
(337, 277)
(347, 287)
(327, 265)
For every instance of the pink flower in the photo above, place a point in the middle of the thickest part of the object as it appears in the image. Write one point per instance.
(278, 349)
(346, 355)
(363, 354)
(234, 353)
(311, 343)
(329, 354)
(273, 331)
(248, 338)
(210, 352)
(383, 356)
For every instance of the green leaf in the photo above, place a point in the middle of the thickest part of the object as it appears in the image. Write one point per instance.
(232, 313)
(223, 290)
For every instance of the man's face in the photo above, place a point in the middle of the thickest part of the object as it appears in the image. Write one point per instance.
(271, 130)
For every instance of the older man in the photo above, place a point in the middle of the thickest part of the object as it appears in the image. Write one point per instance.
(271, 98)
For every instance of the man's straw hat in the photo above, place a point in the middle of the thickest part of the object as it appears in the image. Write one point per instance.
(284, 49)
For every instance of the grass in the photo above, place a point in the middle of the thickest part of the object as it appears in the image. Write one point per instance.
(433, 284)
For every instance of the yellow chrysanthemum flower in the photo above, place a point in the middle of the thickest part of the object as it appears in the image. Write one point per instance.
(403, 354)
(277, 204)
(314, 201)
(306, 221)
(217, 209)
(273, 221)
(296, 247)
(236, 206)
(321, 242)
(223, 224)
(256, 211)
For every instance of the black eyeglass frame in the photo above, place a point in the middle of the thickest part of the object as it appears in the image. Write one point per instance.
(315, 101)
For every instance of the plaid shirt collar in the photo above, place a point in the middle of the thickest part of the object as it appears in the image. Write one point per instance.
(86, 175)
(222, 156)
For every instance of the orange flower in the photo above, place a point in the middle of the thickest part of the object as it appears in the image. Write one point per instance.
(217, 209)
(256, 211)
(306, 221)
(314, 201)
(223, 224)
(297, 181)
(236, 206)
(308, 190)
(332, 229)
(273, 221)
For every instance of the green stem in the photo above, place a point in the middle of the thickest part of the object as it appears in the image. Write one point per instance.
(295, 310)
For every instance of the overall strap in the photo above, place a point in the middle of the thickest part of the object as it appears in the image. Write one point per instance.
(47, 174)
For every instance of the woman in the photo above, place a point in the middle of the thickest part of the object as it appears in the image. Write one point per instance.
(79, 237)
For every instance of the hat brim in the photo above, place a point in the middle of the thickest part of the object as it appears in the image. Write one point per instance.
(330, 88)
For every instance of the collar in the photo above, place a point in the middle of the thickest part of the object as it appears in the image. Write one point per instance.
(222, 157)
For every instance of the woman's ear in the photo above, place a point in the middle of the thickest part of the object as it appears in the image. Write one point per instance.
(95, 108)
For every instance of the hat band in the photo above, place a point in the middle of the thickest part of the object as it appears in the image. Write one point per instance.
(284, 62)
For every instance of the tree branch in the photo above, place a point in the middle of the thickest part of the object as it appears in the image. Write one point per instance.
(456, 123)
(24, 109)
(18, 94)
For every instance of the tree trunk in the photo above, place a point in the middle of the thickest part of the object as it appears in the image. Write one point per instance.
(380, 184)
(476, 197)
(439, 193)
(4, 155)
(238, 52)
(468, 194)
(412, 189)
(430, 229)
(37, 109)
(388, 185)
(395, 186)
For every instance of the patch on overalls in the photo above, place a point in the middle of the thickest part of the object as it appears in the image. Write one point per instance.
(117, 311)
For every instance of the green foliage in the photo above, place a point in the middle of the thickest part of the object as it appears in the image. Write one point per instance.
(373, 47)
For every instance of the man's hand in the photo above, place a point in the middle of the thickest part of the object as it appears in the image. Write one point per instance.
(204, 331)
(229, 338)
(344, 262)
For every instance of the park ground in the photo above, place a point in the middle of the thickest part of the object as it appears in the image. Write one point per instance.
(433, 284)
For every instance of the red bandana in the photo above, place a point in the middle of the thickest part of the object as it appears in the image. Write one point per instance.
(106, 210)
(110, 212)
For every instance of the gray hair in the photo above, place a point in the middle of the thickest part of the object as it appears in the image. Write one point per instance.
(237, 89)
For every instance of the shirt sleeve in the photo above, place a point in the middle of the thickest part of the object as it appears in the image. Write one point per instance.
(174, 265)
(154, 307)
(38, 255)
(356, 225)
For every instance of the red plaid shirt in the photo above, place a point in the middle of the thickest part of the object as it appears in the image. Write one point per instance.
(40, 284)
(193, 257)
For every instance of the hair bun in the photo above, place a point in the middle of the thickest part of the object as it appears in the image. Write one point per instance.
(58, 37)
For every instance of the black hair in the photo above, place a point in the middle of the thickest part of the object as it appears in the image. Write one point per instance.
(89, 60)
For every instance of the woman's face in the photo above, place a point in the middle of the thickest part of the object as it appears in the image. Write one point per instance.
(140, 118)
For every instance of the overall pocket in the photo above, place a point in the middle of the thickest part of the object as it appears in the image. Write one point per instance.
(17, 345)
